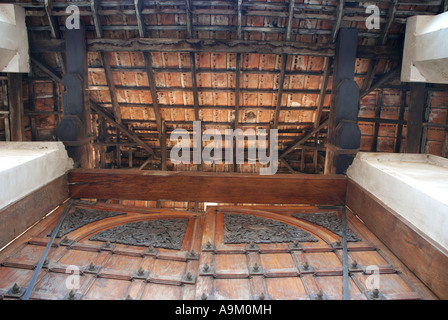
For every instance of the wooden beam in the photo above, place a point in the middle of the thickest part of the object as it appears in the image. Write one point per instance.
(111, 85)
(444, 6)
(75, 128)
(382, 79)
(201, 45)
(401, 118)
(96, 18)
(153, 90)
(207, 186)
(382, 41)
(194, 85)
(22, 214)
(343, 130)
(5, 102)
(337, 24)
(287, 165)
(290, 18)
(163, 147)
(323, 90)
(101, 112)
(378, 109)
(303, 139)
(211, 45)
(48, 70)
(55, 30)
(239, 34)
(16, 112)
(139, 5)
(238, 71)
(415, 117)
(425, 259)
(189, 19)
(237, 90)
(281, 83)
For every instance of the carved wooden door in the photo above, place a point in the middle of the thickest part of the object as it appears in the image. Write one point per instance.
(296, 253)
(106, 251)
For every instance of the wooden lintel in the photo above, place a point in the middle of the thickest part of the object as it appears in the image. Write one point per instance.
(207, 187)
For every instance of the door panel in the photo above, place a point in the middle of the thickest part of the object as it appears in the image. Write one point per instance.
(123, 252)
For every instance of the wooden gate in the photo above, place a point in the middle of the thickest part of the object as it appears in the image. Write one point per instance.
(106, 251)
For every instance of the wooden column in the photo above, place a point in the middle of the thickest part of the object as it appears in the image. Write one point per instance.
(344, 136)
(75, 124)
(415, 116)
(16, 106)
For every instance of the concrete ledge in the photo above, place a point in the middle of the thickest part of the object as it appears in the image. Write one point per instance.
(415, 186)
(27, 166)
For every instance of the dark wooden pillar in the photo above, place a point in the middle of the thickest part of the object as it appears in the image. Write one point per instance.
(75, 124)
(415, 116)
(15, 92)
(344, 136)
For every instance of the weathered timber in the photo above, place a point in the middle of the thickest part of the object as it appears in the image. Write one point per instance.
(202, 186)
(427, 260)
(415, 117)
(22, 214)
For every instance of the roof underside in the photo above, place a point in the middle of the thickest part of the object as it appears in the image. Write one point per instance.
(230, 64)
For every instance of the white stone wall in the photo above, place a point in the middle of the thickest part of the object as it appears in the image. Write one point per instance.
(28, 166)
(415, 186)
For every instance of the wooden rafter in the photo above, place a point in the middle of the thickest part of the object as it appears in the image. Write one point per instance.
(323, 91)
(55, 30)
(103, 113)
(382, 41)
(281, 82)
(238, 67)
(284, 59)
(106, 62)
(303, 139)
(377, 117)
(382, 79)
(111, 85)
(337, 24)
(96, 18)
(139, 6)
(140, 20)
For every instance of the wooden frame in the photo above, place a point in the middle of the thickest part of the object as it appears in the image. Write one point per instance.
(421, 255)
(204, 186)
(22, 214)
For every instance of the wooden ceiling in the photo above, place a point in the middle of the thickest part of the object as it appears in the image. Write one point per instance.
(159, 65)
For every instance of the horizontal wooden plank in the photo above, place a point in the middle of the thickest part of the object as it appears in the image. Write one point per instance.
(419, 254)
(18, 216)
(210, 187)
